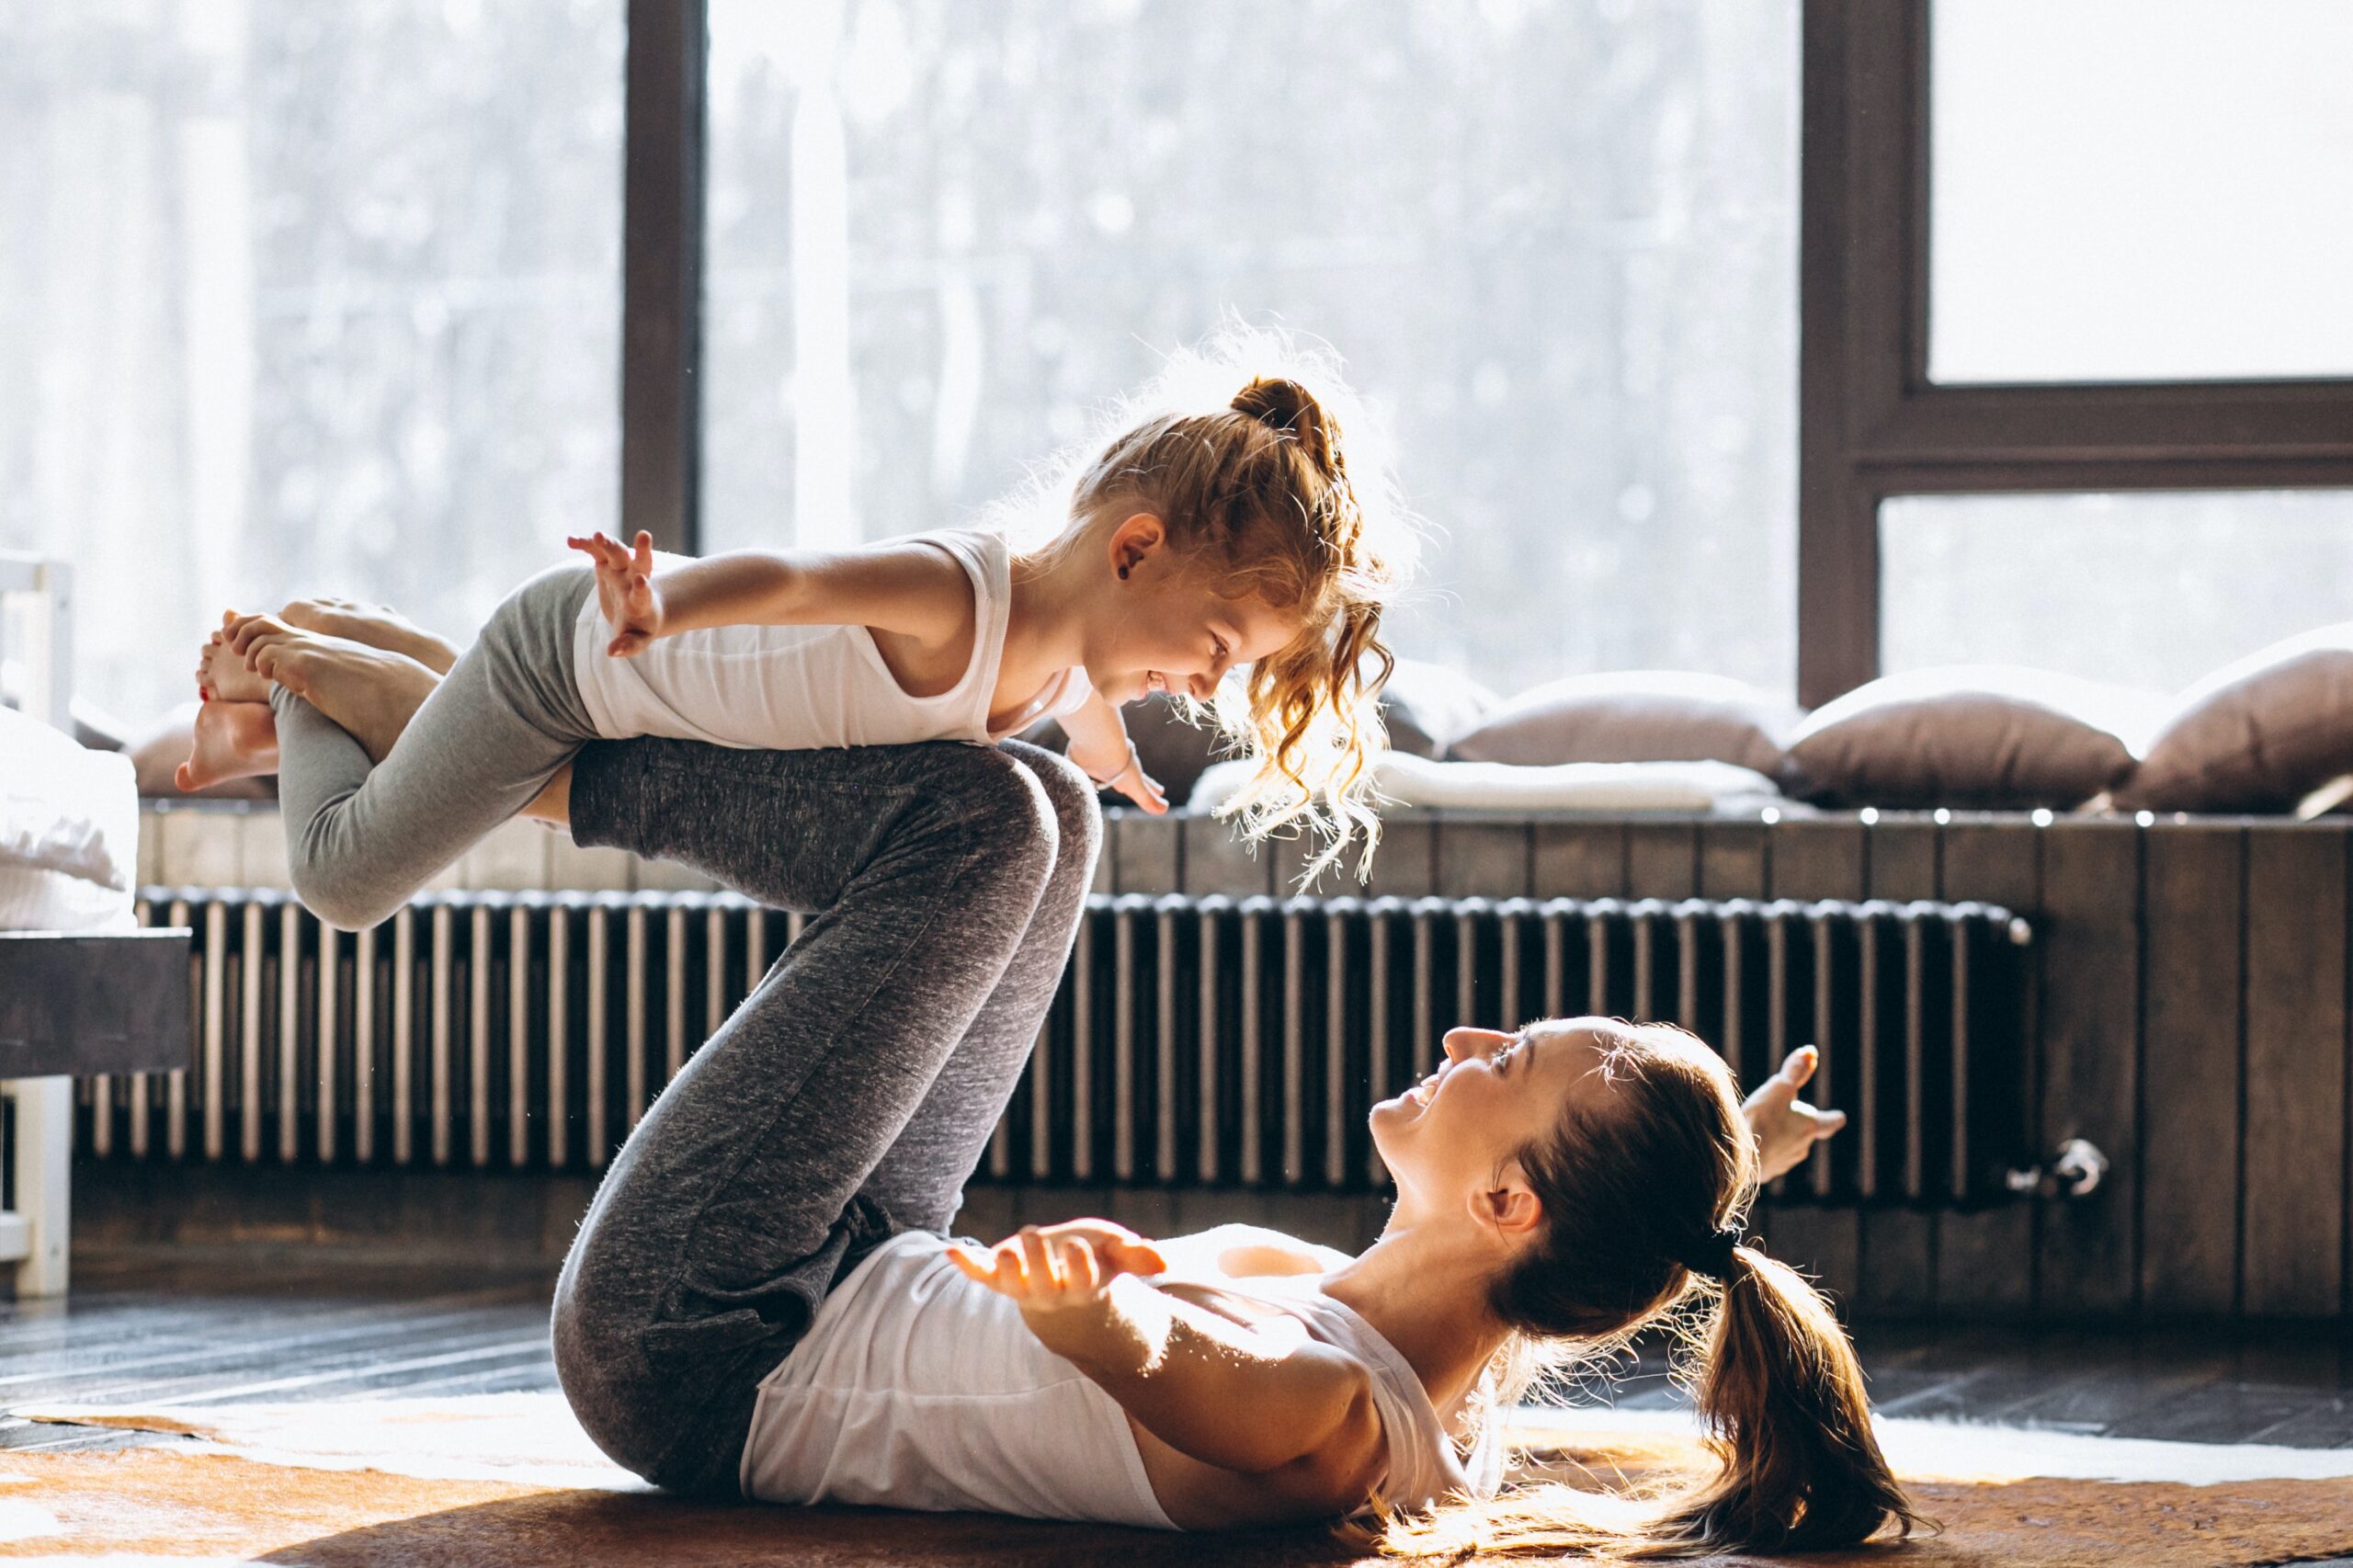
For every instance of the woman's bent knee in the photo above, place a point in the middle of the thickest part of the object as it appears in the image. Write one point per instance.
(1008, 806)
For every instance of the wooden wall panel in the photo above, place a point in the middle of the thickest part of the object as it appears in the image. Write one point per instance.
(1661, 859)
(2191, 1065)
(2088, 935)
(2293, 1226)
(1815, 859)
(1985, 1259)
(1580, 859)
(1406, 864)
(1483, 859)
(1146, 852)
(1731, 858)
(1217, 861)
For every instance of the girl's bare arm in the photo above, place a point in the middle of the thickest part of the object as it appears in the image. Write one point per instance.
(912, 589)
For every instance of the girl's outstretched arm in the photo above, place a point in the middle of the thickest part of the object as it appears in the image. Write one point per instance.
(1298, 1415)
(912, 589)
(1100, 745)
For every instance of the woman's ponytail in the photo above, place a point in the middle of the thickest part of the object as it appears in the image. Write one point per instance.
(1783, 1397)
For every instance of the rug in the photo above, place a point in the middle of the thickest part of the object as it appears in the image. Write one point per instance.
(509, 1481)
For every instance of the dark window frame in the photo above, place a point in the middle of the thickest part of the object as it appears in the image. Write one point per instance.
(665, 128)
(1872, 426)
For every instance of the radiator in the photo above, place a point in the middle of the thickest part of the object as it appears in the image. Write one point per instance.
(1194, 1041)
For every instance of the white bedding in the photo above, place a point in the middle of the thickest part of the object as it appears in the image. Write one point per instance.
(1715, 787)
(69, 831)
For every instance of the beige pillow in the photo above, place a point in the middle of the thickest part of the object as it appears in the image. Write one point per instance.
(1987, 737)
(1635, 716)
(2257, 735)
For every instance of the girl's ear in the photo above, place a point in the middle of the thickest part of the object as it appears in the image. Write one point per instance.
(1510, 1206)
(1134, 539)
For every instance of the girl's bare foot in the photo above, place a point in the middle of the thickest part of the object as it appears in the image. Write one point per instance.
(221, 672)
(372, 692)
(376, 626)
(233, 740)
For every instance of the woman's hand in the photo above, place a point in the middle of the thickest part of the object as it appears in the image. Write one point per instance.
(1055, 1269)
(1787, 1128)
(625, 591)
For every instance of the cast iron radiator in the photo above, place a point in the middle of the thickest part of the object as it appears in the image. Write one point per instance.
(1194, 1041)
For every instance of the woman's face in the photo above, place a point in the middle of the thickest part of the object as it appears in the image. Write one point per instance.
(1495, 1094)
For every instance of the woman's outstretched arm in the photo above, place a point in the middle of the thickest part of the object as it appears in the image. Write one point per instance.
(1292, 1412)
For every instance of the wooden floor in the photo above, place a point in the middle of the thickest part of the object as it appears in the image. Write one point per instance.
(153, 1327)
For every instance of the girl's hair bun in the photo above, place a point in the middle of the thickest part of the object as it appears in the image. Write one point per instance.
(1280, 404)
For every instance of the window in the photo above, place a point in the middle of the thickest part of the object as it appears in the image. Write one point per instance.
(2008, 134)
(2139, 190)
(305, 299)
(1556, 244)
(2150, 589)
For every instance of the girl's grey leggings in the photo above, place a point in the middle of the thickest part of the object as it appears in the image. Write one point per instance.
(849, 1098)
(361, 839)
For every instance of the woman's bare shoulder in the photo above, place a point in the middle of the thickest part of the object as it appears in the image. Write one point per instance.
(1241, 1252)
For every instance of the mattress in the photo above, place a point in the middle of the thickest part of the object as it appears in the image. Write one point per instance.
(1716, 789)
(68, 832)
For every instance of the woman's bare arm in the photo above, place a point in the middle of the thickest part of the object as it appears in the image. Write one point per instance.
(1285, 1409)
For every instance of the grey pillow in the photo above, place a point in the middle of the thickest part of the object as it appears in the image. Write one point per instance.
(1635, 716)
(1427, 706)
(2256, 735)
(1987, 737)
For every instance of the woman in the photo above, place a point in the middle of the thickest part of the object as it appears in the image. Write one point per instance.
(761, 1299)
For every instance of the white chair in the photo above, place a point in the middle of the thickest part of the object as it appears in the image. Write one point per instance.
(98, 995)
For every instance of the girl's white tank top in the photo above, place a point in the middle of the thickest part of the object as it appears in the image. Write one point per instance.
(807, 687)
(916, 1388)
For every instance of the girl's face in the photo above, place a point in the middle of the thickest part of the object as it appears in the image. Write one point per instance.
(1165, 629)
(1455, 1133)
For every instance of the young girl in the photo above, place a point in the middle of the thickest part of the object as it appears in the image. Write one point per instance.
(1194, 545)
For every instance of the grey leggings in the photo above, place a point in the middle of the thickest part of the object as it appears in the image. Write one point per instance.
(361, 839)
(849, 1096)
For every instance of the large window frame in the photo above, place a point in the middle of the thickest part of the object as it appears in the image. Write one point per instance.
(1872, 426)
(665, 128)
(1870, 423)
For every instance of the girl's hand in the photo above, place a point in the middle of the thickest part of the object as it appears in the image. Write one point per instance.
(1059, 1267)
(1787, 1128)
(1130, 779)
(625, 591)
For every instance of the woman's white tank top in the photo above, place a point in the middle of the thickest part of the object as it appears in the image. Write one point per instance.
(916, 1388)
(807, 687)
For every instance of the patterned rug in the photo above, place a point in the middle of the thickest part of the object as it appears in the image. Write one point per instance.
(506, 1481)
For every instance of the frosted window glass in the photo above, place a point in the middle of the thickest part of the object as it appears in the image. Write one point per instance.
(2136, 190)
(1556, 242)
(2146, 588)
(302, 299)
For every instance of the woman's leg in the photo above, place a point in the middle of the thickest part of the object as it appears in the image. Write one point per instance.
(362, 838)
(921, 1180)
(736, 1201)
